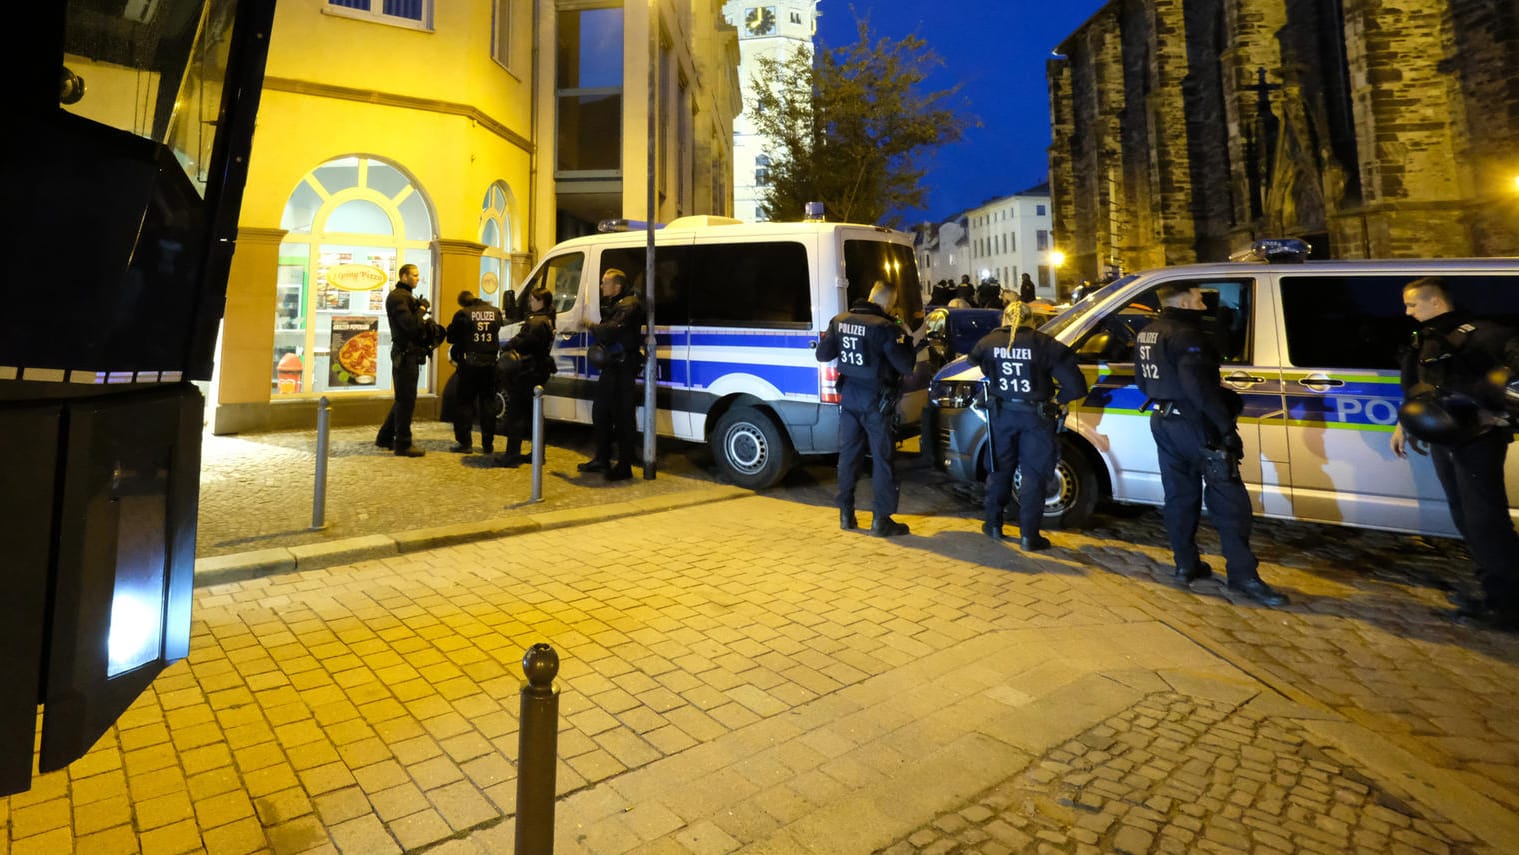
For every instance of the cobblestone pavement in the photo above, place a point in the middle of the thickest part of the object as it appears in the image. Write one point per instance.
(744, 676)
(1178, 774)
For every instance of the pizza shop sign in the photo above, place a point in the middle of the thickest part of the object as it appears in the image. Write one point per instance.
(356, 277)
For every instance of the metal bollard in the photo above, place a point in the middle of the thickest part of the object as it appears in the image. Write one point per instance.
(537, 445)
(319, 490)
(537, 751)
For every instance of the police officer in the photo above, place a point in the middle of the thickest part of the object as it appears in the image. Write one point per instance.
(873, 352)
(475, 333)
(1022, 367)
(613, 407)
(1198, 444)
(408, 350)
(1451, 362)
(530, 350)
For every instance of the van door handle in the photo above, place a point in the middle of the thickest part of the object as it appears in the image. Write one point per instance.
(1242, 377)
(1319, 384)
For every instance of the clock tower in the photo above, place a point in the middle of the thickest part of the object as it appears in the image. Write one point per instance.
(765, 28)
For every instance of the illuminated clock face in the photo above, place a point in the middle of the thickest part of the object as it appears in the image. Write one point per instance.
(760, 21)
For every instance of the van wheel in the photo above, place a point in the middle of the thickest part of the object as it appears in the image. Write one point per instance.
(750, 449)
(1076, 500)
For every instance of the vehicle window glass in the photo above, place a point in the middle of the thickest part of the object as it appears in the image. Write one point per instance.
(1227, 322)
(671, 278)
(751, 285)
(1358, 321)
(865, 261)
(561, 275)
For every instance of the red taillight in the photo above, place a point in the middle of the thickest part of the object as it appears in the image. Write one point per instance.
(828, 383)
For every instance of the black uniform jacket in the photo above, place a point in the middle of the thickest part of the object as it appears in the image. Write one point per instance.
(1175, 362)
(405, 315)
(1454, 352)
(476, 329)
(533, 341)
(872, 349)
(1026, 365)
(621, 327)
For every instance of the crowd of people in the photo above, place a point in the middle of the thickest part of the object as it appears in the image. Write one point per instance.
(1454, 362)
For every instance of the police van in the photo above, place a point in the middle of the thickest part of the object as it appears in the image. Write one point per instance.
(1312, 348)
(738, 308)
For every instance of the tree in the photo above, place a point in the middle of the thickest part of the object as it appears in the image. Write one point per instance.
(848, 127)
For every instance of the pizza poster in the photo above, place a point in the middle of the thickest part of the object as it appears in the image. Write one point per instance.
(355, 351)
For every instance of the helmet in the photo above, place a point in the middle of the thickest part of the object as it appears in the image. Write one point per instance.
(508, 365)
(1446, 419)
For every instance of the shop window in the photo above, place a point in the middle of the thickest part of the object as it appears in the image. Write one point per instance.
(351, 224)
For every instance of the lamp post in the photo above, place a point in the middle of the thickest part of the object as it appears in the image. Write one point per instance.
(651, 343)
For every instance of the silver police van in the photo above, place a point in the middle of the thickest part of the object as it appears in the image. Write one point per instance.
(1312, 348)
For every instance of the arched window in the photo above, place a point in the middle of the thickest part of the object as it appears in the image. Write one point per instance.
(351, 223)
(496, 234)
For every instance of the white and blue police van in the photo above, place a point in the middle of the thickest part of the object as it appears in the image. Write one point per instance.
(738, 308)
(1312, 347)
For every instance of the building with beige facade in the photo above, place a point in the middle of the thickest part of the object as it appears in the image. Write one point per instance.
(465, 137)
(1182, 130)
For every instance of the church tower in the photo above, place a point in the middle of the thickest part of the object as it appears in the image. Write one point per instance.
(765, 28)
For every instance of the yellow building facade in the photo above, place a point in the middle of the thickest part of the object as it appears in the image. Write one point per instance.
(428, 132)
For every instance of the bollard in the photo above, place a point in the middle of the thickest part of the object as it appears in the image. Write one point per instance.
(537, 751)
(537, 445)
(319, 489)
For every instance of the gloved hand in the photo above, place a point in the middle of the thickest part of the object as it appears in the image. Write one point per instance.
(1234, 446)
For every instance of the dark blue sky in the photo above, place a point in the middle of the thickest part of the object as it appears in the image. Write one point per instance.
(996, 50)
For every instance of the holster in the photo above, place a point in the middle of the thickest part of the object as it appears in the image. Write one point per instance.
(1220, 467)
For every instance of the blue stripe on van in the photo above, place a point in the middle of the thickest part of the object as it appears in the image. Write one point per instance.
(789, 379)
(749, 339)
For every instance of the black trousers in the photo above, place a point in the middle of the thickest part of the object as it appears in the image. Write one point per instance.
(519, 410)
(613, 411)
(1020, 438)
(859, 426)
(1180, 443)
(1472, 475)
(404, 369)
(477, 397)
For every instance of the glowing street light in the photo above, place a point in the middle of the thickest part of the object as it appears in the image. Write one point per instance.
(1057, 258)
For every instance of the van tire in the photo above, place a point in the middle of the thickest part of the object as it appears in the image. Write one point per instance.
(750, 449)
(1077, 501)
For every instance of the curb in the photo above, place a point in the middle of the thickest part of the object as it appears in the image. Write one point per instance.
(242, 566)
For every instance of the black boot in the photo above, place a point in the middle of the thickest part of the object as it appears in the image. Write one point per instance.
(884, 526)
(846, 519)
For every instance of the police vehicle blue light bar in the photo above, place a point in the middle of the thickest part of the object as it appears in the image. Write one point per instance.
(1274, 250)
(622, 225)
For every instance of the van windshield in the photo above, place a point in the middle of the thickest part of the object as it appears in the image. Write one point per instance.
(866, 261)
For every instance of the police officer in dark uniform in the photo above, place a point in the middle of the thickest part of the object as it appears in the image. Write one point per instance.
(873, 352)
(614, 406)
(475, 333)
(1199, 447)
(1022, 367)
(1451, 365)
(530, 353)
(408, 350)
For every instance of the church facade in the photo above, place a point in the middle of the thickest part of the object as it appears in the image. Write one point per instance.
(1184, 129)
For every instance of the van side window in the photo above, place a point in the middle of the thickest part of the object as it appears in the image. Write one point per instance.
(560, 275)
(672, 275)
(1358, 321)
(751, 285)
(1227, 321)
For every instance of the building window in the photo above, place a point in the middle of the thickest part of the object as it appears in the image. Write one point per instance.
(588, 77)
(495, 263)
(350, 225)
(762, 177)
(1041, 240)
(501, 32)
(1038, 210)
(1012, 243)
(1044, 276)
(404, 12)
